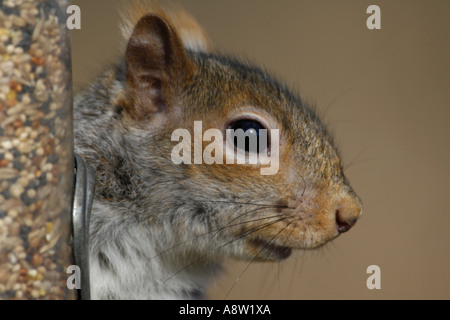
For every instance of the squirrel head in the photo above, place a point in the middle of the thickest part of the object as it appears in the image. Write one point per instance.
(173, 81)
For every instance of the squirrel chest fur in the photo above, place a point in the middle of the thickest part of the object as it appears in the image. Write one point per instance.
(161, 230)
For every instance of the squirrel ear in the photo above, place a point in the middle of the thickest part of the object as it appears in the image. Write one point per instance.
(156, 65)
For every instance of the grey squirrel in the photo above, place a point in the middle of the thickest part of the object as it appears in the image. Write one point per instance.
(161, 230)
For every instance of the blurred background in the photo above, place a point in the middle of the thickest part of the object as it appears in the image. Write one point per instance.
(386, 96)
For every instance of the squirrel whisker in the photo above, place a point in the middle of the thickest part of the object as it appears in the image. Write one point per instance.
(215, 230)
(222, 246)
(254, 204)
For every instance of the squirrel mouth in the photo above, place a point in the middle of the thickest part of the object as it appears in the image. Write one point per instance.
(270, 251)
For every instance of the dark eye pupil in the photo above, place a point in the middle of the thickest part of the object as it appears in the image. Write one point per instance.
(251, 130)
(249, 127)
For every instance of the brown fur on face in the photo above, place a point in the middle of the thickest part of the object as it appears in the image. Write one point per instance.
(296, 208)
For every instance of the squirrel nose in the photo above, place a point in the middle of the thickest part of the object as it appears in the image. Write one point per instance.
(347, 213)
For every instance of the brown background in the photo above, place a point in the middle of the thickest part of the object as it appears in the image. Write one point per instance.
(386, 95)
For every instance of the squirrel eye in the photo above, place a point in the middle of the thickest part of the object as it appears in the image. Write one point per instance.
(247, 135)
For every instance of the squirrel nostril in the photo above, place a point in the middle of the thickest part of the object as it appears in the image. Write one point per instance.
(344, 223)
